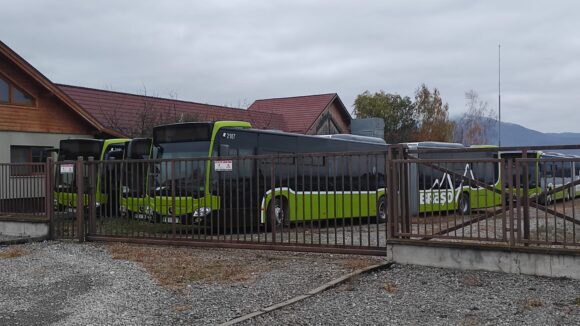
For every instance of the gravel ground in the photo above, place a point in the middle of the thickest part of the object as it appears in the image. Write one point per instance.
(412, 295)
(65, 283)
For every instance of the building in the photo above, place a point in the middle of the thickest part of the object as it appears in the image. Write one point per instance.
(35, 113)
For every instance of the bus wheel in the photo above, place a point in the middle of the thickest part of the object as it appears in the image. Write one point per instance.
(281, 217)
(382, 210)
(464, 204)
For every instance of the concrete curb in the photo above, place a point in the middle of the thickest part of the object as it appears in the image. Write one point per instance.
(311, 293)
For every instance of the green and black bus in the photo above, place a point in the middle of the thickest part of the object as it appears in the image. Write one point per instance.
(133, 192)
(65, 193)
(435, 190)
(251, 167)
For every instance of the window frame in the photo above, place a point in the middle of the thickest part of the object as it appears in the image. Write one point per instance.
(11, 86)
(14, 170)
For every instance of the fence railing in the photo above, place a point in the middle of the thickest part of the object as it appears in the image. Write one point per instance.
(352, 202)
(23, 189)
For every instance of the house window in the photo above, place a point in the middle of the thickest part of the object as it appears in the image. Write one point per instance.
(11, 94)
(20, 155)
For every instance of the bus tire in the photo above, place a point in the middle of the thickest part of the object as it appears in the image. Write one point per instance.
(464, 204)
(382, 210)
(281, 210)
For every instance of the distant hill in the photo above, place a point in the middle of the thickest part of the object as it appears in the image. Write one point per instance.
(516, 135)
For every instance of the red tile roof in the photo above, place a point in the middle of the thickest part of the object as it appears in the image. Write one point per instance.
(299, 112)
(122, 111)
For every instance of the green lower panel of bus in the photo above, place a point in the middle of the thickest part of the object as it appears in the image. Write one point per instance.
(134, 207)
(309, 206)
(162, 206)
(68, 200)
(440, 200)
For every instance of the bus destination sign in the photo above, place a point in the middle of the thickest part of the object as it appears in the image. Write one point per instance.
(223, 166)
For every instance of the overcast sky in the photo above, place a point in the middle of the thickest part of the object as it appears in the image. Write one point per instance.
(234, 52)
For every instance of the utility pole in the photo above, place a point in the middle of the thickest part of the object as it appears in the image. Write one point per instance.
(499, 94)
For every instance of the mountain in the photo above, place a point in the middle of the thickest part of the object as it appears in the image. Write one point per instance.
(516, 135)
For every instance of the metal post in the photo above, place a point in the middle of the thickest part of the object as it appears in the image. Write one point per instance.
(49, 196)
(80, 199)
(526, 199)
(92, 197)
(273, 200)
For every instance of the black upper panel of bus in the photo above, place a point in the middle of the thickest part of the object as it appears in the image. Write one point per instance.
(182, 132)
(139, 148)
(70, 149)
(269, 142)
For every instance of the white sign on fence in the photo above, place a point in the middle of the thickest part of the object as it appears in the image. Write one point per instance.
(221, 166)
(67, 168)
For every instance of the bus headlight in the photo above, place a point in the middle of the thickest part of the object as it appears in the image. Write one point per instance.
(123, 209)
(202, 211)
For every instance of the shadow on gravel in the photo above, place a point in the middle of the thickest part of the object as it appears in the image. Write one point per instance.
(43, 304)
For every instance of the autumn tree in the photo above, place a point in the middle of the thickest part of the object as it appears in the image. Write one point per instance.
(150, 113)
(397, 112)
(473, 125)
(433, 122)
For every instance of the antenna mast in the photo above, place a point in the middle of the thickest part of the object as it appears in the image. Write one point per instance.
(499, 93)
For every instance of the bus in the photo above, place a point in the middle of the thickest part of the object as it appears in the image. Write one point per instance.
(434, 190)
(133, 192)
(65, 192)
(547, 171)
(200, 191)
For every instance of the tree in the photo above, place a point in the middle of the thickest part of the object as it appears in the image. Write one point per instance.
(397, 112)
(472, 127)
(433, 122)
(152, 112)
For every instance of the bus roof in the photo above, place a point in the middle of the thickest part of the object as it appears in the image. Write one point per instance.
(357, 138)
(432, 144)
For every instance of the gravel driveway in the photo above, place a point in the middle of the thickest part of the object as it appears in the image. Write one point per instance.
(65, 283)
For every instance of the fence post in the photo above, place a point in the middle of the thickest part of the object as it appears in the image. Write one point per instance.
(526, 199)
(49, 195)
(80, 199)
(92, 196)
(273, 201)
(390, 195)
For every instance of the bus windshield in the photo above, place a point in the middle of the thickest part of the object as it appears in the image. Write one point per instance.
(71, 149)
(189, 175)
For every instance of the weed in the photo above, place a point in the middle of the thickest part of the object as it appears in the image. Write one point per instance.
(176, 267)
(390, 287)
(355, 264)
(13, 252)
(534, 303)
(472, 280)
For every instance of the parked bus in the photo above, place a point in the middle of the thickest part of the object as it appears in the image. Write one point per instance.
(133, 194)
(65, 195)
(547, 171)
(434, 190)
(200, 191)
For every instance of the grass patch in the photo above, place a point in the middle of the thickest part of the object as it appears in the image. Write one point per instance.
(357, 263)
(13, 252)
(534, 303)
(391, 287)
(472, 280)
(176, 267)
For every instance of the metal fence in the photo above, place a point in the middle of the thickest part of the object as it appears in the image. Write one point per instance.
(333, 202)
(23, 190)
(514, 199)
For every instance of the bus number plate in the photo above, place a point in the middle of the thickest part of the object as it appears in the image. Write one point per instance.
(221, 166)
(67, 168)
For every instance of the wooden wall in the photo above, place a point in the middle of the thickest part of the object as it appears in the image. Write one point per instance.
(332, 112)
(48, 115)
